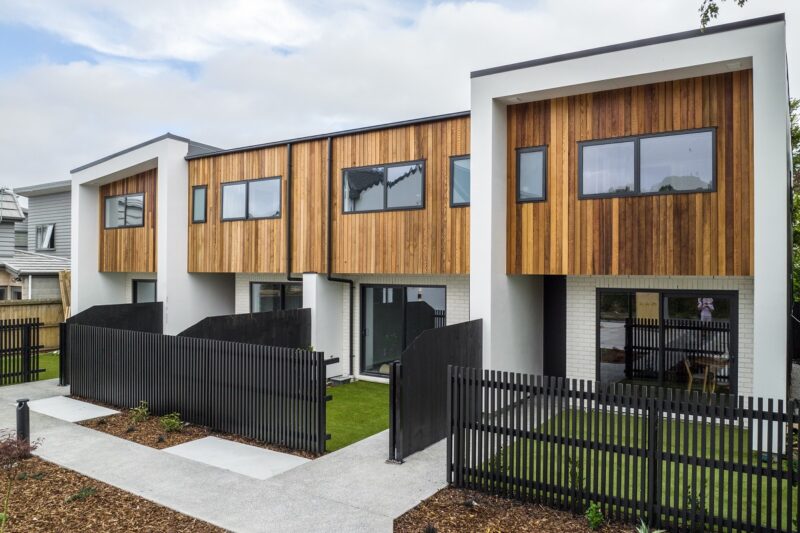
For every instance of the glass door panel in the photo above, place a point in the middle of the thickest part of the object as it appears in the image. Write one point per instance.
(382, 328)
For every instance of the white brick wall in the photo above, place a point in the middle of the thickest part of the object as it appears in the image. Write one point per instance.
(457, 300)
(242, 302)
(582, 319)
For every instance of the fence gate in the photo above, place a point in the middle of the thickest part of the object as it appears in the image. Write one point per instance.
(19, 350)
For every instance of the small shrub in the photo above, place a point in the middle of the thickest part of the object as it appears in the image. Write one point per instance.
(171, 422)
(594, 516)
(141, 412)
(644, 528)
(82, 494)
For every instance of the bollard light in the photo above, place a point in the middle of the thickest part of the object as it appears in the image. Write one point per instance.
(23, 420)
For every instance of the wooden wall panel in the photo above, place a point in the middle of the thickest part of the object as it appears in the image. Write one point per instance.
(309, 206)
(434, 240)
(130, 249)
(681, 234)
(237, 245)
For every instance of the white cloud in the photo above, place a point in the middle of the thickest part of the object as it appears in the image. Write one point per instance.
(361, 63)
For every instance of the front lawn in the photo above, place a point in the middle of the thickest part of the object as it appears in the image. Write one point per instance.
(357, 411)
(48, 361)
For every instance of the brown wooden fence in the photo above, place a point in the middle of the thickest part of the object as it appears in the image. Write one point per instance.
(680, 460)
(275, 395)
(49, 312)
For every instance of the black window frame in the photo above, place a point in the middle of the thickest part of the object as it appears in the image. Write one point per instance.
(125, 217)
(205, 210)
(637, 163)
(135, 283)
(525, 150)
(386, 167)
(247, 199)
(362, 312)
(53, 237)
(453, 159)
(283, 286)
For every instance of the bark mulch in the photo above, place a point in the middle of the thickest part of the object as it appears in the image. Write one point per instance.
(151, 433)
(455, 510)
(46, 497)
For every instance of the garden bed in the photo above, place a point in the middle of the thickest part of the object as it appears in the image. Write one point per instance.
(46, 497)
(457, 510)
(150, 432)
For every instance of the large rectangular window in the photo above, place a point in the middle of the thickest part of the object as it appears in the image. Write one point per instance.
(268, 296)
(124, 211)
(384, 187)
(662, 163)
(252, 199)
(144, 291)
(46, 237)
(392, 317)
(531, 174)
(199, 195)
(459, 181)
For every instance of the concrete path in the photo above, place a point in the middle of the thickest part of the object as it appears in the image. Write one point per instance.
(352, 489)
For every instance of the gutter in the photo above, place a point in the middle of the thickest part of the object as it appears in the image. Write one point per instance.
(329, 260)
(289, 276)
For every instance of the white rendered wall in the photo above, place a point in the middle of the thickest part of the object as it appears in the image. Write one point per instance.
(582, 317)
(324, 298)
(243, 288)
(760, 47)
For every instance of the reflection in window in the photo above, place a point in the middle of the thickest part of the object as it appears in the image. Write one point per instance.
(124, 211)
(459, 181)
(144, 291)
(400, 186)
(199, 204)
(266, 297)
(530, 174)
(608, 168)
(682, 162)
(251, 199)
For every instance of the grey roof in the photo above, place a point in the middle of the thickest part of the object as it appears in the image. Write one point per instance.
(10, 211)
(193, 146)
(389, 125)
(632, 44)
(24, 263)
(42, 189)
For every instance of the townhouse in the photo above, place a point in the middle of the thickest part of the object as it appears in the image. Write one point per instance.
(618, 214)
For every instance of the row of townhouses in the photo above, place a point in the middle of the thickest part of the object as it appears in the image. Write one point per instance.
(645, 184)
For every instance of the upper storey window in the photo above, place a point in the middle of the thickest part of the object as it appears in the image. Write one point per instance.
(251, 199)
(663, 163)
(199, 194)
(459, 181)
(124, 211)
(531, 174)
(384, 187)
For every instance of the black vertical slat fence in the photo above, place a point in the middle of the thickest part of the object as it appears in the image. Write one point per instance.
(273, 394)
(681, 460)
(19, 350)
(418, 385)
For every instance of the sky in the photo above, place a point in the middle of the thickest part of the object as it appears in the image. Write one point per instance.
(80, 79)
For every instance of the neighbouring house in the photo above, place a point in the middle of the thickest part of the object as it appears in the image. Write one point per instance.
(617, 214)
(21, 231)
(49, 222)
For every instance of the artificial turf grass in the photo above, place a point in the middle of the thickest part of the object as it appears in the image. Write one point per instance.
(357, 410)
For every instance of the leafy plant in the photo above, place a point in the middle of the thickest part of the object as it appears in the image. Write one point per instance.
(644, 528)
(82, 494)
(172, 422)
(594, 516)
(13, 452)
(141, 412)
(696, 505)
(709, 9)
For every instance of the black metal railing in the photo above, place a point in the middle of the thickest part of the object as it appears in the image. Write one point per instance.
(680, 460)
(19, 350)
(273, 394)
(418, 385)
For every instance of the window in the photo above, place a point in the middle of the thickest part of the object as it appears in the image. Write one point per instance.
(252, 199)
(16, 293)
(2, 293)
(199, 204)
(265, 297)
(392, 317)
(144, 291)
(384, 188)
(46, 237)
(531, 174)
(125, 211)
(663, 163)
(459, 181)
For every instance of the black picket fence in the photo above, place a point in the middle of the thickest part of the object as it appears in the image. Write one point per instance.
(680, 460)
(660, 350)
(272, 394)
(418, 385)
(19, 350)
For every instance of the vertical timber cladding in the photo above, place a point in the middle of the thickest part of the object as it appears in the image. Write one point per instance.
(260, 245)
(130, 249)
(433, 240)
(680, 234)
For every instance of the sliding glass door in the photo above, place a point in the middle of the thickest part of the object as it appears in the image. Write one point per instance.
(392, 316)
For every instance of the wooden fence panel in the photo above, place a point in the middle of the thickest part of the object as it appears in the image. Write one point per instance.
(49, 313)
(272, 394)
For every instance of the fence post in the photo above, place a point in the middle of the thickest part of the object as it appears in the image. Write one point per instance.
(26, 352)
(395, 412)
(653, 456)
(628, 348)
(63, 356)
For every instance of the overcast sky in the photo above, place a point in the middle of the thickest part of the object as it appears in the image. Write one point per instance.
(80, 79)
